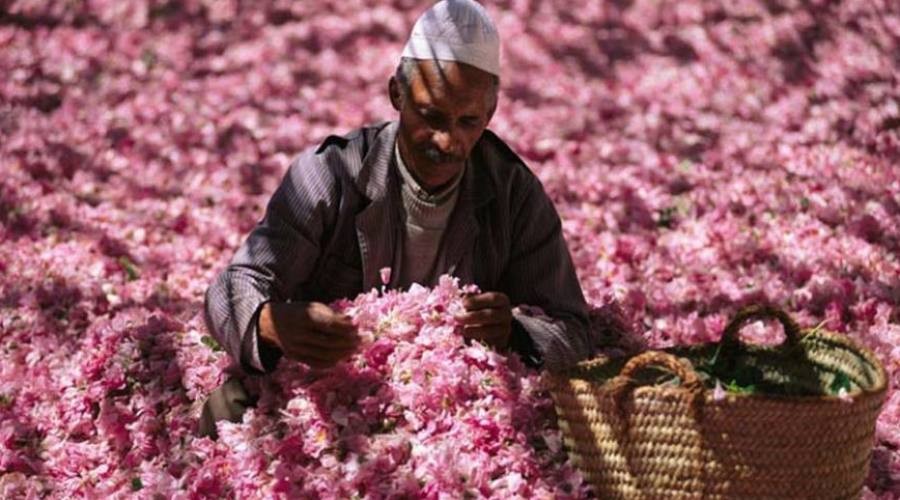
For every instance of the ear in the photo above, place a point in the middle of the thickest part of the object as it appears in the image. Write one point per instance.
(493, 109)
(395, 93)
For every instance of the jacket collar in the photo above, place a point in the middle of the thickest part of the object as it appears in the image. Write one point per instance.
(374, 175)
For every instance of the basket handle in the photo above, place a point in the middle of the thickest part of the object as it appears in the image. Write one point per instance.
(758, 312)
(688, 376)
(622, 384)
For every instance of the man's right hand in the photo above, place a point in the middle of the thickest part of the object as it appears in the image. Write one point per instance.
(310, 332)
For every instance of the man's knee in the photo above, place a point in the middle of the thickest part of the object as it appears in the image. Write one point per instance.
(228, 402)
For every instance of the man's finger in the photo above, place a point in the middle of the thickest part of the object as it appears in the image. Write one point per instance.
(485, 317)
(329, 352)
(321, 341)
(326, 340)
(496, 336)
(485, 300)
(317, 357)
(309, 356)
(325, 318)
(318, 364)
(321, 314)
(338, 325)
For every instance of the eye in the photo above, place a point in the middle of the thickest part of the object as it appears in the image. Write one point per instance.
(432, 117)
(469, 121)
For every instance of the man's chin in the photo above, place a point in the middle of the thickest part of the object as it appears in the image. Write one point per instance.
(438, 182)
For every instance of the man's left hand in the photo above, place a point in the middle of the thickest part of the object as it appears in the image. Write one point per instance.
(488, 318)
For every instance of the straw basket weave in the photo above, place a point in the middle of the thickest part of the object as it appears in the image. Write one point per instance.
(638, 435)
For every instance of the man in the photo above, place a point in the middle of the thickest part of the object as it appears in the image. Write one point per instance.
(434, 193)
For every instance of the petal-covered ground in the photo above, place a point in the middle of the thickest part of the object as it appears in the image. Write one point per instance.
(703, 155)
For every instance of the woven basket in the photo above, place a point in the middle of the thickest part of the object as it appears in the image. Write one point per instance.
(653, 427)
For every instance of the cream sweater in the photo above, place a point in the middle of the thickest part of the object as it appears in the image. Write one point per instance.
(426, 217)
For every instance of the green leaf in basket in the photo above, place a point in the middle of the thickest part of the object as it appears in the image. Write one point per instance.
(745, 379)
(841, 381)
(737, 388)
(711, 365)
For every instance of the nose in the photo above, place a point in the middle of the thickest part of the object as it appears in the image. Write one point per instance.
(446, 141)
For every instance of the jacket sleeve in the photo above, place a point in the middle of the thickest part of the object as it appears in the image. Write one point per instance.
(278, 255)
(540, 274)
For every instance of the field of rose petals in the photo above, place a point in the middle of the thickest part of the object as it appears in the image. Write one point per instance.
(703, 155)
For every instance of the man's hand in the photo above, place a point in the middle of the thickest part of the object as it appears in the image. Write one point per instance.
(310, 332)
(488, 318)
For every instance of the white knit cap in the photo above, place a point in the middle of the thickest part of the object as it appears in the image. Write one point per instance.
(456, 30)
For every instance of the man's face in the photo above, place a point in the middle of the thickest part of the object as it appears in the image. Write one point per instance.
(442, 116)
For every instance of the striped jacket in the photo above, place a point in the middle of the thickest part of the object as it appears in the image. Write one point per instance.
(336, 220)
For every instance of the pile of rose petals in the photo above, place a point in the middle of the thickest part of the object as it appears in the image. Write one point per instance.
(703, 155)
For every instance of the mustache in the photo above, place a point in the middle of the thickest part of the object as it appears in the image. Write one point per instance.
(434, 155)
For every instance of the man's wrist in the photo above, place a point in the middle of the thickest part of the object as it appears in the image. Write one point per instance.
(265, 327)
(521, 343)
(267, 343)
